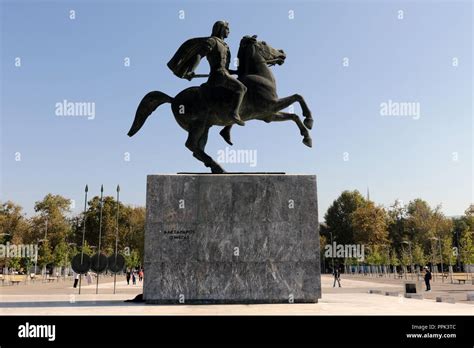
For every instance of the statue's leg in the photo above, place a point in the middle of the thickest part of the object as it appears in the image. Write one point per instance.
(285, 116)
(239, 90)
(225, 133)
(283, 103)
(196, 142)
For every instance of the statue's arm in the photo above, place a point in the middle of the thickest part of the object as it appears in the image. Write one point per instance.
(206, 48)
(189, 76)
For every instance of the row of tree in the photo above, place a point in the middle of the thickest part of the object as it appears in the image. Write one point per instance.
(400, 235)
(58, 233)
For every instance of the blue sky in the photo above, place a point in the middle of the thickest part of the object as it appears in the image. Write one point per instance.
(354, 146)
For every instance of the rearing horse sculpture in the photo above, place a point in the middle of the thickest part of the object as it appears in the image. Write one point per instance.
(197, 109)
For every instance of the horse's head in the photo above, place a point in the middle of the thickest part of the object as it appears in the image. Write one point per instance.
(253, 50)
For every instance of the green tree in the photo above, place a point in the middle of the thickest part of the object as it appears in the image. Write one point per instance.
(109, 208)
(87, 249)
(418, 255)
(405, 257)
(61, 254)
(376, 256)
(132, 259)
(51, 221)
(369, 223)
(133, 231)
(467, 248)
(339, 217)
(396, 224)
(13, 229)
(13, 224)
(131, 226)
(419, 222)
(394, 260)
(45, 256)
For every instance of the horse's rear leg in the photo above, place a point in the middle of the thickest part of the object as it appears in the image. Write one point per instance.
(285, 116)
(283, 103)
(196, 142)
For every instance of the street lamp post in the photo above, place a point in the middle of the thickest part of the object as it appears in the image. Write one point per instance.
(411, 258)
(100, 236)
(5, 269)
(440, 256)
(116, 233)
(43, 272)
(45, 238)
(387, 261)
(433, 252)
(36, 259)
(333, 251)
(458, 251)
(83, 234)
(67, 258)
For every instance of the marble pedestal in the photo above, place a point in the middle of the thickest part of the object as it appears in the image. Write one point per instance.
(232, 238)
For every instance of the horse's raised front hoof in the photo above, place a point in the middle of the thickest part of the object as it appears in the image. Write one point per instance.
(308, 122)
(308, 141)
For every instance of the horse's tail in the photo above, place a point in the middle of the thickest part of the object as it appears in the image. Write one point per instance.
(148, 104)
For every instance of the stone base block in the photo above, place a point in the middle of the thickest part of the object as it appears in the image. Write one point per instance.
(232, 239)
(415, 296)
(378, 292)
(445, 299)
(392, 293)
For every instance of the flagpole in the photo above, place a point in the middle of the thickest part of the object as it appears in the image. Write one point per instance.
(100, 236)
(83, 235)
(116, 233)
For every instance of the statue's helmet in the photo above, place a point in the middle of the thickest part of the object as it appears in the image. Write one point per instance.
(218, 27)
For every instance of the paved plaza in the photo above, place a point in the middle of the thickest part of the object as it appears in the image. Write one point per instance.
(353, 298)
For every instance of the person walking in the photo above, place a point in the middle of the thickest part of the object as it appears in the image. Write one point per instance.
(128, 276)
(337, 277)
(134, 279)
(140, 275)
(89, 278)
(427, 279)
(76, 279)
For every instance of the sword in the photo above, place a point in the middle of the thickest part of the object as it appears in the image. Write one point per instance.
(195, 75)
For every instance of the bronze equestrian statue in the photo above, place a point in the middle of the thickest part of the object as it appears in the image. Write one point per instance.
(224, 100)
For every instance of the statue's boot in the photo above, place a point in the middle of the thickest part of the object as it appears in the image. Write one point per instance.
(225, 133)
(237, 102)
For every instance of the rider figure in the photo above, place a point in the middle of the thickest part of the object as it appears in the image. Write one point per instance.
(217, 52)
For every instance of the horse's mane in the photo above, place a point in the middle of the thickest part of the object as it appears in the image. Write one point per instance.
(246, 43)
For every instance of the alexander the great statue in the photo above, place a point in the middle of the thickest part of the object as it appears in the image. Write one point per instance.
(225, 100)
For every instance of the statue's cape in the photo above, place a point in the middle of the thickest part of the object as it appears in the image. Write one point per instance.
(183, 59)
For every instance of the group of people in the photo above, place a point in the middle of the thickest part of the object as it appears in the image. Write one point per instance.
(88, 277)
(132, 275)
